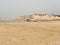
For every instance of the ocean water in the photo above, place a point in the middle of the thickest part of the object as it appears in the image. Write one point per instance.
(12, 21)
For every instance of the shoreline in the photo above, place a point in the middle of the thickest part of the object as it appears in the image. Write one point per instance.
(30, 33)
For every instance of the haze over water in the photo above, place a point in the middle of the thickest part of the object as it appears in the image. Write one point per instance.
(15, 8)
(3, 21)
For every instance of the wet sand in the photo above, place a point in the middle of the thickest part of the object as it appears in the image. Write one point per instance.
(30, 33)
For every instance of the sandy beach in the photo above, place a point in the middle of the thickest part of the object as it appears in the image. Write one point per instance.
(30, 33)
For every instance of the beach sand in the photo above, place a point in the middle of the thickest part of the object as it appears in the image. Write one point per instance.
(30, 33)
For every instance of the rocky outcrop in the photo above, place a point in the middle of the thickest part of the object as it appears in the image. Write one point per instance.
(39, 17)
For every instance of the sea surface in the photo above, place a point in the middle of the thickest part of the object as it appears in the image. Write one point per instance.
(12, 21)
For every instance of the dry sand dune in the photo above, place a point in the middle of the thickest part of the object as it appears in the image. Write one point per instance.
(30, 33)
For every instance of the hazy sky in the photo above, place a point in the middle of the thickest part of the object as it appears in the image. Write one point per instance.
(15, 8)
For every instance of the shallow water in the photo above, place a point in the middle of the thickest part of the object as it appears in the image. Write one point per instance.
(12, 21)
